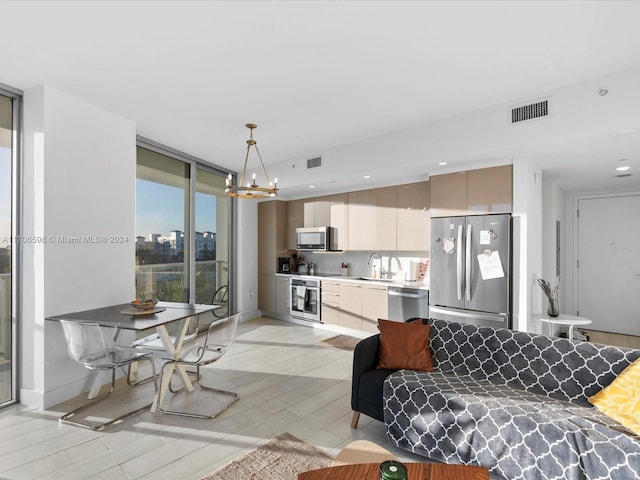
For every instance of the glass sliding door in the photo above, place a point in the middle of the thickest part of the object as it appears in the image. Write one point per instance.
(212, 238)
(183, 228)
(7, 249)
(162, 227)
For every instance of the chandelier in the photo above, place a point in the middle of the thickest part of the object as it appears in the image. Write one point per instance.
(251, 190)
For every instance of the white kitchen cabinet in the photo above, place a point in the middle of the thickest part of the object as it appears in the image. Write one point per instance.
(372, 219)
(339, 220)
(351, 305)
(413, 216)
(383, 203)
(317, 212)
(330, 303)
(374, 306)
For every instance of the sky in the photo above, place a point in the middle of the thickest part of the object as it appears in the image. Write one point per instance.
(160, 209)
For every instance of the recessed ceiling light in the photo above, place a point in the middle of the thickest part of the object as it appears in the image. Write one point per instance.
(442, 163)
(623, 168)
(366, 176)
(312, 186)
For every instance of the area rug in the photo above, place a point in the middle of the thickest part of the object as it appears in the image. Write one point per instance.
(345, 342)
(281, 458)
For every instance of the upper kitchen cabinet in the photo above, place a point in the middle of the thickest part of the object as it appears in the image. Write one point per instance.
(317, 212)
(490, 190)
(476, 192)
(329, 211)
(413, 216)
(449, 194)
(339, 206)
(360, 218)
(384, 226)
(372, 219)
(295, 219)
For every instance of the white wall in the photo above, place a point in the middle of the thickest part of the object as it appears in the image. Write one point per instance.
(527, 249)
(247, 254)
(79, 181)
(553, 205)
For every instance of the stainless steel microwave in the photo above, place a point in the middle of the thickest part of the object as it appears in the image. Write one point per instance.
(313, 238)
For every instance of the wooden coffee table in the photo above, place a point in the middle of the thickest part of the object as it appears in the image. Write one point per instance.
(415, 471)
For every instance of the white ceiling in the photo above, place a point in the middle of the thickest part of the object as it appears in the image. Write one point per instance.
(316, 76)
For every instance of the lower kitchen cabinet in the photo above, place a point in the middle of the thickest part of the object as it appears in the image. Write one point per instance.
(374, 306)
(267, 292)
(330, 303)
(351, 306)
(283, 297)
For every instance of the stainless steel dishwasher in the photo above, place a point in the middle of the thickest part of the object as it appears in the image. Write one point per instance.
(405, 303)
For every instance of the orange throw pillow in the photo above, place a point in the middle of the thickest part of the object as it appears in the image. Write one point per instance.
(404, 345)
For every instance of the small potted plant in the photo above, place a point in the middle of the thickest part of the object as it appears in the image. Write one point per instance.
(552, 296)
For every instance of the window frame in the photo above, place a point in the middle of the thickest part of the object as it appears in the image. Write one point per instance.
(196, 163)
(16, 96)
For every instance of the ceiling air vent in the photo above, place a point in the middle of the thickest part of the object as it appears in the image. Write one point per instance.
(314, 162)
(528, 112)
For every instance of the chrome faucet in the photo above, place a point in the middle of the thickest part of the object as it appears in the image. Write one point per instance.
(383, 272)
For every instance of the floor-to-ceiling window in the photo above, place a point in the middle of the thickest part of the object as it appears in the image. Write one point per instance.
(212, 222)
(183, 227)
(8, 244)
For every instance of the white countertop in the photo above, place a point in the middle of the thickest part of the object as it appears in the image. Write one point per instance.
(353, 279)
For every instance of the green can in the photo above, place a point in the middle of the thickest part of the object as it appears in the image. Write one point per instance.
(392, 470)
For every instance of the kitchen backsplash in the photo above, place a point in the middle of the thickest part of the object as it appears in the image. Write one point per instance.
(400, 265)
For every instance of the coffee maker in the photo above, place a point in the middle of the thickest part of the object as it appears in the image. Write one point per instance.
(283, 265)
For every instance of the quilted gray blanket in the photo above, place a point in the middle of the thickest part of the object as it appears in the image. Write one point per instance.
(517, 434)
(515, 403)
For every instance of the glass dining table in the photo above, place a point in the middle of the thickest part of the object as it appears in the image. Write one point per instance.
(165, 313)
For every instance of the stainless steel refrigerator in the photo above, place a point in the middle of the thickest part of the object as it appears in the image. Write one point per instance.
(470, 270)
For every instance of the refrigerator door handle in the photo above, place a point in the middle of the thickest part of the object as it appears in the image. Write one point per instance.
(497, 318)
(459, 263)
(467, 277)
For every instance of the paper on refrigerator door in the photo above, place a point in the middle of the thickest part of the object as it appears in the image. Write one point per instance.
(449, 245)
(490, 265)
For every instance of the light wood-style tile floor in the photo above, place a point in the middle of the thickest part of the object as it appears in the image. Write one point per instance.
(288, 381)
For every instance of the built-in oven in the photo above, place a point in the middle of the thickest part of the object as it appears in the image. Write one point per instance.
(305, 299)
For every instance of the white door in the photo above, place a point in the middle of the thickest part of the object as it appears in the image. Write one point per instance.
(609, 263)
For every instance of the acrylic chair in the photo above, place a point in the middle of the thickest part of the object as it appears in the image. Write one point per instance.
(221, 335)
(89, 346)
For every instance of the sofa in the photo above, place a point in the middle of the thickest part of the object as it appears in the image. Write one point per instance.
(514, 402)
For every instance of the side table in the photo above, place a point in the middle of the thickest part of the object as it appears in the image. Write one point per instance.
(567, 320)
(371, 471)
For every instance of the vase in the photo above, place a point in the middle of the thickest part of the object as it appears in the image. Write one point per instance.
(554, 309)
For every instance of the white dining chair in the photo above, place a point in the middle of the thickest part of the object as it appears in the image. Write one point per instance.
(90, 347)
